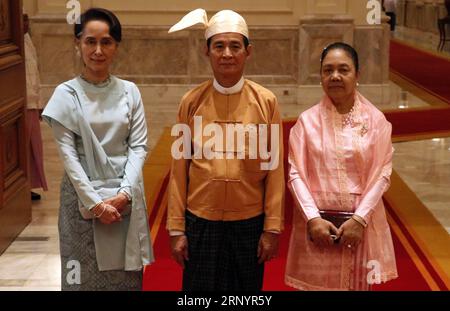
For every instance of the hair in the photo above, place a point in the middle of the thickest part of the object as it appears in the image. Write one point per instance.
(246, 42)
(99, 14)
(341, 46)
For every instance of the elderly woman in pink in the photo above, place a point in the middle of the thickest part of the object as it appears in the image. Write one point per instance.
(340, 160)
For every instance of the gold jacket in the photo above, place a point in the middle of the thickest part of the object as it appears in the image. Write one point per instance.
(228, 188)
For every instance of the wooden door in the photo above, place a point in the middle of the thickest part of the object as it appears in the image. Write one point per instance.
(15, 201)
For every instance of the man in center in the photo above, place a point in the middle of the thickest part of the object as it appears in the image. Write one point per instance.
(226, 210)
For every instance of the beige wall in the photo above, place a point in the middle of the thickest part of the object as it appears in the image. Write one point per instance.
(295, 30)
(288, 37)
(167, 12)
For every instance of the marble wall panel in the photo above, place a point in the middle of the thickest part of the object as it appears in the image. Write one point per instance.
(282, 55)
(57, 62)
(372, 44)
(315, 35)
(153, 54)
(55, 49)
(275, 54)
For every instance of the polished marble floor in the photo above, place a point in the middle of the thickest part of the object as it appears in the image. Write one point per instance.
(425, 167)
(32, 261)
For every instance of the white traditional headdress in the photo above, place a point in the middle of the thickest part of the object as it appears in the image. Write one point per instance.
(221, 22)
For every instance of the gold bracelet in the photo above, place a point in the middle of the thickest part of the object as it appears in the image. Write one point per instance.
(126, 195)
(359, 220)
(95, 207)
(103, 211)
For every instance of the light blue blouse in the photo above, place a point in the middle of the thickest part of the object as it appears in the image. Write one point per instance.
(101, 134)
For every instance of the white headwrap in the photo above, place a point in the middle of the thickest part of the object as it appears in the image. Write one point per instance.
(221, 22)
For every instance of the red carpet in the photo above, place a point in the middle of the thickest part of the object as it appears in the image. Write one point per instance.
(411, 279)
(425, 70)
(166, 275)
(419, 120)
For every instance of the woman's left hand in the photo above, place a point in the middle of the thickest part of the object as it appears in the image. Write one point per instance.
(119, 201)
(351, 233)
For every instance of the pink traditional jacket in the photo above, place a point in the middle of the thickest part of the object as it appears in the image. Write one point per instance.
(346, 168)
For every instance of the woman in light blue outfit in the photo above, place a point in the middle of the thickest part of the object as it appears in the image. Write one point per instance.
(98, 122)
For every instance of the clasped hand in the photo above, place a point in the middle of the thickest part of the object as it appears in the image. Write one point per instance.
(113, 207)
(321, 232)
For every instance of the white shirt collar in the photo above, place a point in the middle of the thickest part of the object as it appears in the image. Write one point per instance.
(229, 90)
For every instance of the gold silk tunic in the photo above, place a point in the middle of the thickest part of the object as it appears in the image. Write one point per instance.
(224, 188)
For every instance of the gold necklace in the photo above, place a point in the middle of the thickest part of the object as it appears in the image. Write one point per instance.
(98, 84)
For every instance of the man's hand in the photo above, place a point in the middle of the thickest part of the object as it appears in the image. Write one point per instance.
(351, 233)
(120, 201)
(320, 231)
(267, 247)
(179, 247)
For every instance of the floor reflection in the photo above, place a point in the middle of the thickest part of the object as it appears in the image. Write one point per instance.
(425, 167)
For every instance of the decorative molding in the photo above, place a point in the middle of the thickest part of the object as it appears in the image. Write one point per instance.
(2, 16)
(11, 131)
(8, 48)
(5, 27)
(10, 54)
(10, 60)
(327, 7)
